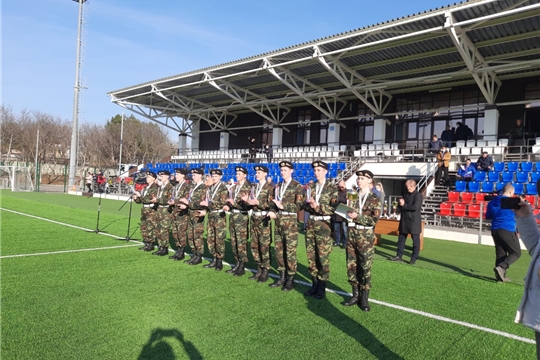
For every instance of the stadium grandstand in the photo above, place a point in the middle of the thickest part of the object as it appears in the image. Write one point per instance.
(372, 97)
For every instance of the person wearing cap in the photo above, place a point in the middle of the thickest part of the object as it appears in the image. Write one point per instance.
(260, 201)
(179, 216)
(196, 212)
(163, 217)
(443, 162)
(148, 211)
(321, 202)
(239, 221)
(216, 199)
(360, 251)
(288, 199)
(484, 162)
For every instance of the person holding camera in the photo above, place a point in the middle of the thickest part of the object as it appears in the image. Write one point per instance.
(443, 161)
(503, 231)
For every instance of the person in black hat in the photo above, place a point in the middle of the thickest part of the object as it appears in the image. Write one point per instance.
(238, 221)
(260, 201)
(163, 219)
(180, 218)
(197, 212)
(148, 211)
(288, 199)
(216, 199)
(321, 201)
(360, 251)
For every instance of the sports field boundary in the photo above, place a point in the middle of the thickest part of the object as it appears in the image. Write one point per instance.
(68, 251)
(378, 302)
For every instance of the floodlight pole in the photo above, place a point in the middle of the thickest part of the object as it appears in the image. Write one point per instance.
(75, 127)
(121, 143)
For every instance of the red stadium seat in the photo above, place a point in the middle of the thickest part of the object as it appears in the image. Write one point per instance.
(531, 199)
(536, 212)
(445, 209)
(453, 196)
(479, 197)
(467, 197)
(474, 211)
(459, 209)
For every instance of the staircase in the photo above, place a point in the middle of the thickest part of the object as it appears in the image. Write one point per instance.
(430, 206)
(351, 168)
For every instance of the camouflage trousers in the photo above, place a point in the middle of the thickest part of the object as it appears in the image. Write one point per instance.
(148, 225)
(179, 227)
(360, 254)
(238, 227)
(195, 232)
(163, 225)
(286, 242)
(318, 248)
(261, 239)
(217, 231)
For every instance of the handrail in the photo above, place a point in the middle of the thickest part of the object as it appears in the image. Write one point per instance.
(429, 173)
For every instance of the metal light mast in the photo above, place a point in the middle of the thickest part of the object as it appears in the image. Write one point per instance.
(75, 129)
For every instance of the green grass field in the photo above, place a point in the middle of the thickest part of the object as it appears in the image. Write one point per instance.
(120, 303)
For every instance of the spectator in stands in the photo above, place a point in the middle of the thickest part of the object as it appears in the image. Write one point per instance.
(484, 162)
(252, 149)
(447, 137)
(410, 222)
(516, 136)
(466, 171)
(434, 145)
(89, 180)
(443, 162)
(340, 224)
(463, 132)
(267, 149)
(503, 231)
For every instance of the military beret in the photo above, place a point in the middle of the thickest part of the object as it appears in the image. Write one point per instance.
(216, 172)
(261, 168)
(365, 173)
(319, 163)
(286, 164)
(164, 172)
(152, 174)
(242, 169)
(197, 171)
(183, 171)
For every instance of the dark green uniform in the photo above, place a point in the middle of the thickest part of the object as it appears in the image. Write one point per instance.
(163, 221)
(148, 213)
(180, 218)
(260, 234)
(217, 221)
(239, 221)
(196, 221)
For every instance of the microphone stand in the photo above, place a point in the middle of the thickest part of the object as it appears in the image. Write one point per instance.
(98, 213)
(130, 200)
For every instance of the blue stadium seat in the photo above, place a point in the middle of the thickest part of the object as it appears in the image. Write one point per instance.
(531, 189)
(493, 176)
(537, 165)
(499, 186)
(526, 166)
(507, 176)
(518, 188)
(535, 176)
(480, 176)
(512, 165)
(342, 166)
(461, 185)
(498, 166)
(522, 177)
(487, 186)
(474, 186)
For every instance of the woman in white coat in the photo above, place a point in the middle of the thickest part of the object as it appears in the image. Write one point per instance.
(528, 312)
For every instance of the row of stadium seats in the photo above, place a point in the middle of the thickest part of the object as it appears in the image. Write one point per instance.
(491, 186)
(462, 210)
(507, 176)
(469, 198)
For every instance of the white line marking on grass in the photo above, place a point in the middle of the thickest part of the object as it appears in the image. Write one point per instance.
(68, 251)
(378, 302)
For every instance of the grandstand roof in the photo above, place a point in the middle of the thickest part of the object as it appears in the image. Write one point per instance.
(477, 41)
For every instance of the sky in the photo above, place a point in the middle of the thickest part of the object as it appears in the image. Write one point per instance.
(128, 42)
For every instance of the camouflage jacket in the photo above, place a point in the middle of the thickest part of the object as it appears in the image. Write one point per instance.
(328, 200)
(371, 211)
(218, 195)
(265, 197)
(196, 195)
(147, 194)
(164, 194)
(237, 193)
(180, 191)
(293, 198)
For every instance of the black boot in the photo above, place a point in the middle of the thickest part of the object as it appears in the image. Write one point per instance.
(145, 246)
(196, 260)
(164, 251)
(157, 252)
(179, 254)
(257, 275)
(190, 260)
(280, 281)
(175, 253)
(219, 264)
(314, 285)
(321, 290)
(264, 276)
(149, 247)
(211, 264)
(364, 303)
(234, 268)
(354, 299)
(289, 285)
(240, 270)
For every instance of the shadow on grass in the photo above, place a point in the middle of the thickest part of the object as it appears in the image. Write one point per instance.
(157, 346)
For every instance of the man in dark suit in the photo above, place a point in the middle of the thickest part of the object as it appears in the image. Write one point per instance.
(410, 221)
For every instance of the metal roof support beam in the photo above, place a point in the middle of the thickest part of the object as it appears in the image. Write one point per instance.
(488, 82)
(137, 110)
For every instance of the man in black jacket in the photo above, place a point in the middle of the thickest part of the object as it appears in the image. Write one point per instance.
(340, 225)
(484, 162)
(410, 221)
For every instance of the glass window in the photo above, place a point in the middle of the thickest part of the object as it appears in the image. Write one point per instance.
(368, 133)
(411, 131)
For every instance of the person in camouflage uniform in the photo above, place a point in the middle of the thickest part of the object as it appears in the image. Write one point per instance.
(261, 233)
(239, 220)
(180, 218)
(217, 222)
(148, 211)
(321, 201)
(197, 212)
(163, 216)
(288, 199)
(360, 251)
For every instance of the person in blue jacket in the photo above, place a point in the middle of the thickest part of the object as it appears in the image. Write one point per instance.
(466, 171)
(503, 231)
